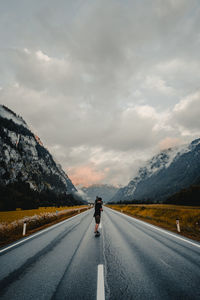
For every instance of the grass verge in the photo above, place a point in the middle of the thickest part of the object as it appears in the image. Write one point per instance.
(11, 231)
(165, 216)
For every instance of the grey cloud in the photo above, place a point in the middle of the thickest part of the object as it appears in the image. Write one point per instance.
(106, 59)
(187, 111)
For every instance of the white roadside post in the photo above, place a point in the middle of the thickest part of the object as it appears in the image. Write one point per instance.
(24, 229)
(178, 225)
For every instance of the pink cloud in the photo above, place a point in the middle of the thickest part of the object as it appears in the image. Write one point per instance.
(169, 142)
(85, 175)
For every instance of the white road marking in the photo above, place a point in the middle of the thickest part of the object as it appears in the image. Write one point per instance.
(157, 228)
(100, 283)
(100, 226)
(40, 232)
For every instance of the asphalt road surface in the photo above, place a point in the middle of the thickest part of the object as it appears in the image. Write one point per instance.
(130, 260)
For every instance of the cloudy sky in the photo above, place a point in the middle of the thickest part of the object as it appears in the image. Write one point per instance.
(105, 84)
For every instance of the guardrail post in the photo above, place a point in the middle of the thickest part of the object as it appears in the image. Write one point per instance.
(24, 229)
(178, 225)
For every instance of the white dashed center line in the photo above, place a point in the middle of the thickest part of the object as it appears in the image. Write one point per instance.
(100, 283)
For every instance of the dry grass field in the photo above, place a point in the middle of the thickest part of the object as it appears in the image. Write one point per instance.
(165, 216)
(11, 222)
(10, 216)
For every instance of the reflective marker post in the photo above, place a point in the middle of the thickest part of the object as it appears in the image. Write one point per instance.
(24, 229)
(178, 225)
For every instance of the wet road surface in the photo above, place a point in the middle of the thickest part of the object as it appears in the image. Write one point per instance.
(138, 262)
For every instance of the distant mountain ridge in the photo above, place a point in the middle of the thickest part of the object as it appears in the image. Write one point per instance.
(163, 175)
(105, 191)
(23, 158)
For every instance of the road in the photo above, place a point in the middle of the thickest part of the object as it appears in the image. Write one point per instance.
(130, 260)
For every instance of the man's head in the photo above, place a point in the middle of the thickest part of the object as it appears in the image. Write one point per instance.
(98, 199)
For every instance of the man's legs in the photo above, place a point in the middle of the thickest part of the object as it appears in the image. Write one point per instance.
(97, 219)
(96, 228)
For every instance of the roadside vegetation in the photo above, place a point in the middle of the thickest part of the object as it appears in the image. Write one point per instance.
(165, 216)
(11, 222)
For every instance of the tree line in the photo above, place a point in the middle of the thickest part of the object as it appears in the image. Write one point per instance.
(20, 195)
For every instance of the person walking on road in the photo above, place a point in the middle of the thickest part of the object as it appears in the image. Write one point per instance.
(97, 213)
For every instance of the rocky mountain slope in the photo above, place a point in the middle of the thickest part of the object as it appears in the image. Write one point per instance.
(24, 159)
(163, 175)
(105, 191)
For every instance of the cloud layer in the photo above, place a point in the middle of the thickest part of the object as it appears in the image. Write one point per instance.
(105, 84)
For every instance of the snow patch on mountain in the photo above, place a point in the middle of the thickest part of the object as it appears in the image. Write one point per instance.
(8, 114)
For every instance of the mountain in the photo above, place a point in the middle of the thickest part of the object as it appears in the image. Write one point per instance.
(164, 175)
(24, 161)
(188, 196)
(105, 191)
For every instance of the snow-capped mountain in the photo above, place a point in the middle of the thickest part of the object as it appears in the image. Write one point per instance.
(164, 174)
(24, 158)
(105, 191)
